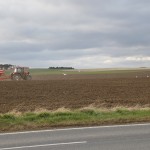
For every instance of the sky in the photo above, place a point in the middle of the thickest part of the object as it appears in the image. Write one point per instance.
(75, 33)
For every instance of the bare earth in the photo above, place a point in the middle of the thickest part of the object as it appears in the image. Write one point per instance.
(73, 91)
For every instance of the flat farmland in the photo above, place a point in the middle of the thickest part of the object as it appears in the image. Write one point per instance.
(74, 91)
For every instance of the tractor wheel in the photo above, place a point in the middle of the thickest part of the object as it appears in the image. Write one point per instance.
(16, 77)
(28, 77)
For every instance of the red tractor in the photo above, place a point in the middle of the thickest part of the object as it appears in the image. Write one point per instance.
(17, 73)
(21, 73)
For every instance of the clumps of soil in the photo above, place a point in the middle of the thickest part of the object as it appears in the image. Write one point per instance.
(26, 96)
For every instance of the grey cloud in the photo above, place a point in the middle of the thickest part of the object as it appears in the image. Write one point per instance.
(50, 31)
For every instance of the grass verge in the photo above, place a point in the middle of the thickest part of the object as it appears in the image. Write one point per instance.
(84, 117)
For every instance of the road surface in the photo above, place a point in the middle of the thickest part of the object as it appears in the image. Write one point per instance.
(118, 137)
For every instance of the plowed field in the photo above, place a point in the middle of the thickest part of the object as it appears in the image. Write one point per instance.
(53, 94)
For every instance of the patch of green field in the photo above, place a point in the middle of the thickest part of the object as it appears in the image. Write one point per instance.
(44, 71)
(90, 71)
(12, 122)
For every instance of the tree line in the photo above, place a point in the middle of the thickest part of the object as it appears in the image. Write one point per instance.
(5, 66)
(60, 68)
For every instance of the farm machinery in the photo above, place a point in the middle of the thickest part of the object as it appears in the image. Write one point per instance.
(16, 74)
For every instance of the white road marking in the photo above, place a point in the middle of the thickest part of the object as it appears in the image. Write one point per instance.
(45, 145)
(82, 128)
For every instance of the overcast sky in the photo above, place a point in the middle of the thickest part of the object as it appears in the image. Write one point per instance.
(75, 33)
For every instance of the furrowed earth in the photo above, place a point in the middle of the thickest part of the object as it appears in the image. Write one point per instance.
(51, 92)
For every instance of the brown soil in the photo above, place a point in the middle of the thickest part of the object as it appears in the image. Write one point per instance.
(73, 93)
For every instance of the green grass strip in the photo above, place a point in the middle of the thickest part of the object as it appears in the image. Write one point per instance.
(30, 121)
(60, 72)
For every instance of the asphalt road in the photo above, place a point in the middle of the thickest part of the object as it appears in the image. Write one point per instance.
(119, 137)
